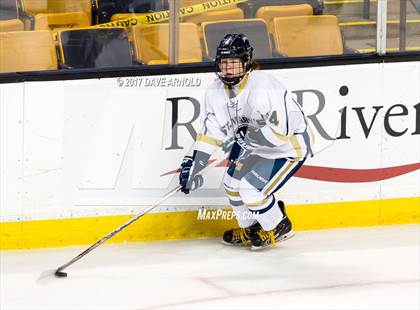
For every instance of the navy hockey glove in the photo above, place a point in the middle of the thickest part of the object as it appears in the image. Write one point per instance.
(189, 179)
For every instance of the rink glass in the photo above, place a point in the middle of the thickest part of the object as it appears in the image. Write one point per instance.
(277, 29)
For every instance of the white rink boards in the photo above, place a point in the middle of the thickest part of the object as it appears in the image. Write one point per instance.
(78, 157)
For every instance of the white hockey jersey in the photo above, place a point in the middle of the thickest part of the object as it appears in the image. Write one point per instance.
(258, 101)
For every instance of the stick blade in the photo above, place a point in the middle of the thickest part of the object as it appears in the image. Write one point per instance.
(60, 274)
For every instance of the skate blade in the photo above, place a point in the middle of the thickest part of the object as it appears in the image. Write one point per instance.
(233, 244)
(260, 248)
(284, 237)
(287, 236)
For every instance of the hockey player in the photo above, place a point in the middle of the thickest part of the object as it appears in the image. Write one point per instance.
(255, 114)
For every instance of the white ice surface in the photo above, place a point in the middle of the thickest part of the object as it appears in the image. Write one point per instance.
(364, 268)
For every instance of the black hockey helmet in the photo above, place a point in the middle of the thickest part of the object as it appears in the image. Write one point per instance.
(234, 46)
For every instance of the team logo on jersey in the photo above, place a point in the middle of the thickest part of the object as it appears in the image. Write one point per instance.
(234, 124)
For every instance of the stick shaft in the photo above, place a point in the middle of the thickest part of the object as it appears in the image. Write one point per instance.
(133, 219)
(117, 230)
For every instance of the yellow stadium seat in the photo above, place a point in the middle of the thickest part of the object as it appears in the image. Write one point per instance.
(56, 6)
(34, 7)
(27, 51)
(165, 62)
(299, 36)
(11, 25)
(218, 15)
(151, 43)
(120, 16)
(63, 6)
(269, 12)
(51, 7)
(56, 21)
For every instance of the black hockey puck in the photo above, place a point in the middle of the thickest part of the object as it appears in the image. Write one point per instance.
(60, 274)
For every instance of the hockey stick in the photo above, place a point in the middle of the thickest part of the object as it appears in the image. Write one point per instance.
(59, 271)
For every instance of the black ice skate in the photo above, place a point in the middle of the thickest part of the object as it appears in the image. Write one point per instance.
(239, 236)
(261, 239)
